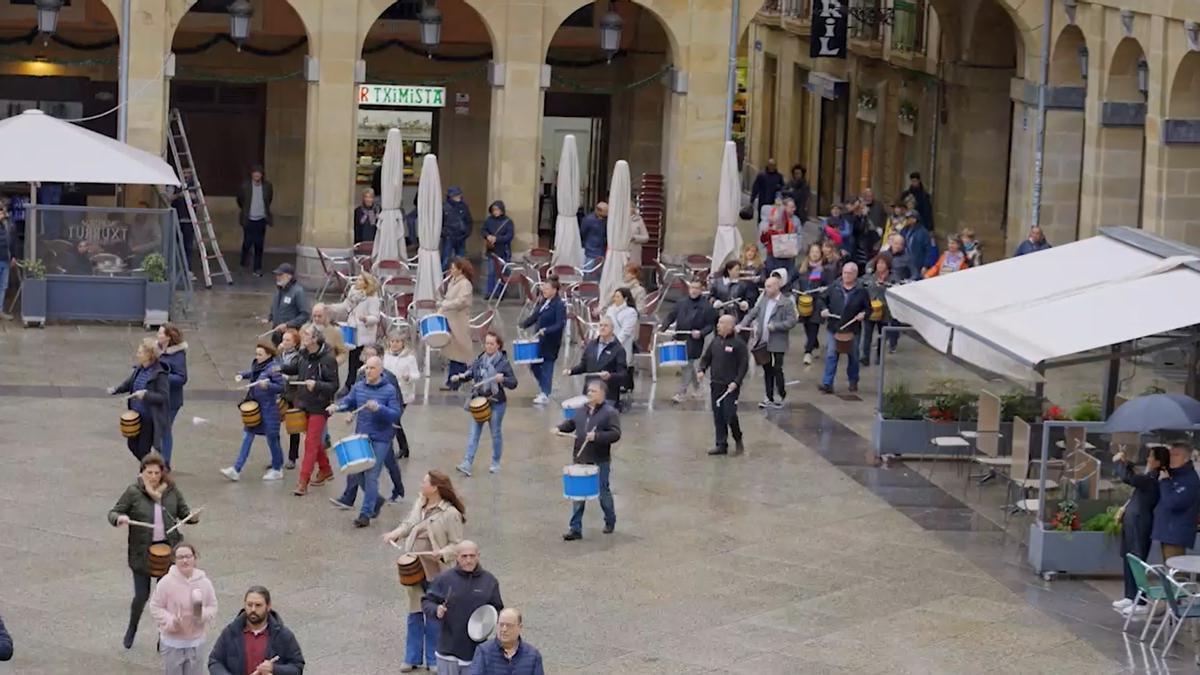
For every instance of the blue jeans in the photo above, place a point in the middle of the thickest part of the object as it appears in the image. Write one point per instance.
(422, 632)
(831, 360)
(369, 480)
(168, 441)
(272, 445)
(4, 265)
(606, 502)
(497, 435)
(492, 276)
(452, 250)
(393, 468)
(544, 372)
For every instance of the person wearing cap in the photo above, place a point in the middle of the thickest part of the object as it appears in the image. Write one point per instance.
(254, 206)
(456, 226)
(289, 307)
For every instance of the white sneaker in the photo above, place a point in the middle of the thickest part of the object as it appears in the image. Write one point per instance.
(1136, 610)
(808, 359)
(1122, 603)
(677, 398)
(494, 468)
(273, 474)
(230, 473)
(541, 399)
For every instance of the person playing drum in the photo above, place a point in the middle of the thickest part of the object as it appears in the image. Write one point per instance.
(376, 404)
(265, 388)
(456, 307)
(843, 306)
(174, 356)
(772, 317)
(435, 524)
(492, 374)
(452, 598)
(596, 427)
(149, 392)
(550, 317)
(149, 508)
(728, 358)
(316, 373)
(602, 359)
(289, 354)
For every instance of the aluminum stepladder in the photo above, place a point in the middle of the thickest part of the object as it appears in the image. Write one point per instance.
(197, 205)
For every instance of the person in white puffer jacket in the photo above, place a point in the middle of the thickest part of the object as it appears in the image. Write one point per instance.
(183, 606)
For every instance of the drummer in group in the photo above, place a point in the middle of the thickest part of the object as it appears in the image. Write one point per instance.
(602, 360)
(149, 392)
(693, 318)
(452, 598)
(316, 373)
(456, 307)
(843, 306)
(596, 427)
(728, 358)
(377, 408)
(435, 524)
(550, 317)
(266, 385)
(492, 374)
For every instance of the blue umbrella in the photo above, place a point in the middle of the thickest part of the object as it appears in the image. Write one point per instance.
(1155, 412)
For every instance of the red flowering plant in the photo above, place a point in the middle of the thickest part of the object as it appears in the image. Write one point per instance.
(1055, 413)
(1066, 519)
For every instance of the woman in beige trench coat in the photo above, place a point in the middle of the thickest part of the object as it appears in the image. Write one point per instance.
(456, 306)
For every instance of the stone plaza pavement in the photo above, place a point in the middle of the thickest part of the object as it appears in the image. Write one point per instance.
(795, 558)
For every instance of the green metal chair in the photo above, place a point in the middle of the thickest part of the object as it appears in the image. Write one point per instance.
(1181, 605)
(1147, 589)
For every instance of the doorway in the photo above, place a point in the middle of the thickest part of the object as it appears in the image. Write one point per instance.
(831, 175)
(586, 117)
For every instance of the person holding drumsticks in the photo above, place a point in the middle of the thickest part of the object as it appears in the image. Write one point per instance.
(256, 642)
(452, 598)
(362, 306)
(183, 606)
(603, 359)
(456, 307)
(434, 525)
(492, 374)
(550, 317)
(843, 306)
(596, 427)
(316, 381)
(729, 359)
(376, 406)
(174, 356)
(151, 508)
(693, 318)
(266, 383)
(772, 317)
(149, 392)
(289, 354)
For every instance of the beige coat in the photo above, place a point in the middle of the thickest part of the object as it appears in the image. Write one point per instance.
(456, 306)
(444, 527)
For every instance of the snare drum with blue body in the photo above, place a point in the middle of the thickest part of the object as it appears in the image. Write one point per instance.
(349, 334)
(672, 353)
(435, 330)
(572, 406)
(355, 454)
(581, 482)
(526, 352)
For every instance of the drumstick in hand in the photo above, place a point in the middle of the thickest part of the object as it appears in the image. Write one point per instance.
(139, 523)
(851, 321)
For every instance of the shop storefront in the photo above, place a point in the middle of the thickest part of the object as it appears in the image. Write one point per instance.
(415, 110)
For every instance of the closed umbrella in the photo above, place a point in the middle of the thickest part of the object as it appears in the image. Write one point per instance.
(429, 230)
(729, 196)
(617, 255)
(568, 250)
(389, 237)
(1155, 412)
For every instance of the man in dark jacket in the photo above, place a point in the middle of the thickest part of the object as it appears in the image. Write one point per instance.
(918, 243)
(606, 357)
(410, 227)
(497, 232)
(508, 654)
(593, 235)
(1036, 241)
(550, 317)
(451, 599)
(799, 190)
(6, 646)
(693, 318)
(315, 373)
(8, 253)
(841, 304)
(289, 307)
(1178, 503)
(378, 407)
(456, 226)
(596, 427)
(254, 213)
(256, 638)
(766, 186)
(924, 203)
(728, 358)
(896, 248)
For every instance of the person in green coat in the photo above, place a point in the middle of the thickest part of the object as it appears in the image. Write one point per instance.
(148, 508)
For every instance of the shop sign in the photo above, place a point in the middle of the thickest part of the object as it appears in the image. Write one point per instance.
(829, 30)
(401, 96)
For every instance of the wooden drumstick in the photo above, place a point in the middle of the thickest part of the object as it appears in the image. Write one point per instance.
(139, 523)
(850, 322)
(185, 520)
(437, 553)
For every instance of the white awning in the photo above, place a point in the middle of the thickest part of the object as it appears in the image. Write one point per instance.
(1013, 316)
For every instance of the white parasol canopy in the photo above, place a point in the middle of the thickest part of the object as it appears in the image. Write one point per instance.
(568, 250)
(429, 230)
(41, 149)
(617, 255)
(729, 194)
(389, 237)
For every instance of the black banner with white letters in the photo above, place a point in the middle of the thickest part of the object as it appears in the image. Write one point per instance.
(829, 29)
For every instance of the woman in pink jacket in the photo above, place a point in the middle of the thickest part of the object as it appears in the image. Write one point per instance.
(183, 605)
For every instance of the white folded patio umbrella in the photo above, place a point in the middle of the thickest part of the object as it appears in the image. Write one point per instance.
(389, 237)
(429, 230)
(619, 226)
(729, 196)
(568, 250)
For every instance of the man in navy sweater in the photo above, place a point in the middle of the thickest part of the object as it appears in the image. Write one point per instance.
(377, 405)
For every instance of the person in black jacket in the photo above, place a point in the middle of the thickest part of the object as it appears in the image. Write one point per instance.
(693, 318)
(729, 359)
(843, 306)
(596, 427)
(456, 226)
(767, 186)
(6, 645)
(550, 317)
(1178, 503)
(257, 637)
(1138, 516)
(603, 359)
(366, 218)
(492, 374)
(149, 392)
(451, 599)
(315, 378)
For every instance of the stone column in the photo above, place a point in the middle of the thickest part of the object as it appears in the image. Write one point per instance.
(149, 45)
(1063, 164)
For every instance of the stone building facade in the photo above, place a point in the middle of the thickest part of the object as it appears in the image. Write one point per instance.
(1123, 116)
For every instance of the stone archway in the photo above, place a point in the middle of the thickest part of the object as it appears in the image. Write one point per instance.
(1179, 201)
(1122, 140)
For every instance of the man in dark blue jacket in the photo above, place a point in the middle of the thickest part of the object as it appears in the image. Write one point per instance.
(256, 636)
(767, 186)
(508, 654)
(451, 599)
(377, 405)
(843, 306)
(497, 239)
(1178, 503)
(456, 226)
(593, 234)
(550, 317)
(6, 647)
(918, 243)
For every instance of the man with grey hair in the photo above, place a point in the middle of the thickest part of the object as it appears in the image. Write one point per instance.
(603, 358)
(843, 306)
(451, 599)
(508, 654)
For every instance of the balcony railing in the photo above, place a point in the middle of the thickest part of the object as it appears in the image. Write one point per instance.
(864, 20)
(771, 6)
(797, 9)
(908, 27)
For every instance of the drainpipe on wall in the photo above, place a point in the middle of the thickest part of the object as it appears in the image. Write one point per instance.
(123, 86)
(731, 93)
(1039, 154)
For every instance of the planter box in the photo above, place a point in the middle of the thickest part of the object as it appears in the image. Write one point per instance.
(911, 437)
(868, 115)
(905, 128)
(1093, 553)
(94, 298)
(158, 303)
(33, 301)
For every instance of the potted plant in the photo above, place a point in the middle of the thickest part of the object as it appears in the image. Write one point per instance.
(1080, 538)
(907, 117)
(867, 103)
(906, 420)
(158, 290)
(1088, 410)
(33, 293)
(952, 402)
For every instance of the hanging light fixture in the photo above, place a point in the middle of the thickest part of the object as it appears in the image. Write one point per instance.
(1143, 76)
(240, 12)
(47, 15)
(1083, 62)
(610, 30)
(430, 19)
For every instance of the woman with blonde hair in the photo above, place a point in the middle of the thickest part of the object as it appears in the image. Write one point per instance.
(149, 392)
(456, 306)
(363, 306)
(752, 266)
